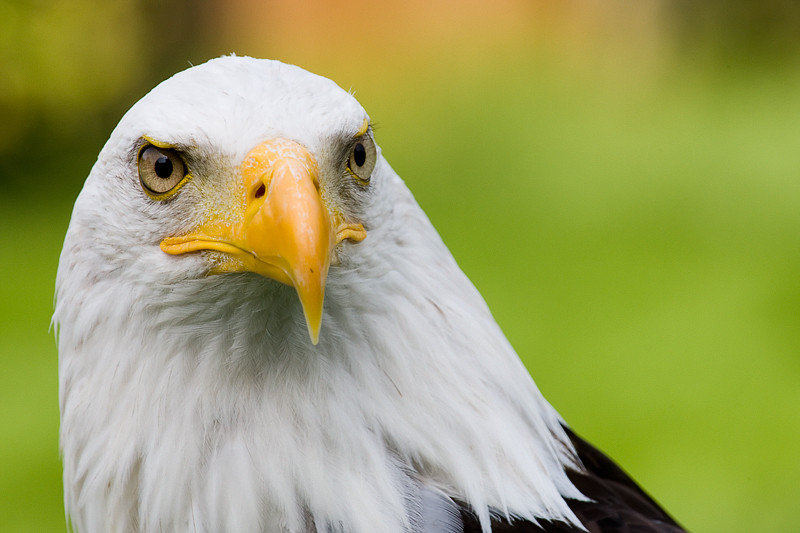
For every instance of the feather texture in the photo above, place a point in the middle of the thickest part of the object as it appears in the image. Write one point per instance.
(196, 402)
(616, 503)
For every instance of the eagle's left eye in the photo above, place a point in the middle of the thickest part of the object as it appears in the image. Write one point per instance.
(361, 161)
(160, 170)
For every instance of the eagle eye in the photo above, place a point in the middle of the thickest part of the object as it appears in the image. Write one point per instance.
(362, 158)
(160, 170)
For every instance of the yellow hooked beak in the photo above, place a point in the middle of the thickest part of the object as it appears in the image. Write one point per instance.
(286, 232)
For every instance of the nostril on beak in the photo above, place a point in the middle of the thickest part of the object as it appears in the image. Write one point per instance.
(262, 189)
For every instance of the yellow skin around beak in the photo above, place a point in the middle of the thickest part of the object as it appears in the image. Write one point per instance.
(287, 233)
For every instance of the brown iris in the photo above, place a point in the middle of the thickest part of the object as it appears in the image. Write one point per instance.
(160, 169)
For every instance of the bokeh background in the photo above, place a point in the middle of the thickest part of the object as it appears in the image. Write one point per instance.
(619, 179)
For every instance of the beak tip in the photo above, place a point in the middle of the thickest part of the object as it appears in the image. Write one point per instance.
(313, 329)
(312, 312)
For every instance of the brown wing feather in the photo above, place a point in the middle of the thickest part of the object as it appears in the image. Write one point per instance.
(618, 504)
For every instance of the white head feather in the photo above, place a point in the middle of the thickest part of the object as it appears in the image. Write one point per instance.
(197, 403)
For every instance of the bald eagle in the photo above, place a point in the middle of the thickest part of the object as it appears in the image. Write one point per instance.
(260, 330)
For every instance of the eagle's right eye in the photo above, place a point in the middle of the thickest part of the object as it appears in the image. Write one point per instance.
(160, 170)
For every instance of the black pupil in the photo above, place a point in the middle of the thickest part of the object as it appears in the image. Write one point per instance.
(163, 167)
(359, 155)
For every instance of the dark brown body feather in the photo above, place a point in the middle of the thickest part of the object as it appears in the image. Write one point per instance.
(618, 504)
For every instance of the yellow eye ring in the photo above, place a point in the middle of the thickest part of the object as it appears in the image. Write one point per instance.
(362, 158)
(162, 171)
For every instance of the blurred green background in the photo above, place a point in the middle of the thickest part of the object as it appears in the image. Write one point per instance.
(619, 179)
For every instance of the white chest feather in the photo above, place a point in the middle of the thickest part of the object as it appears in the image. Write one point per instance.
(195, 413)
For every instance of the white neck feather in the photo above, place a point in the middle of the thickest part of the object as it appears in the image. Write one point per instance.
(202, 406)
